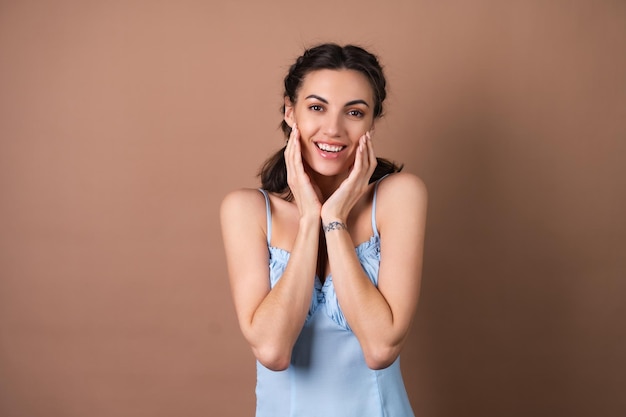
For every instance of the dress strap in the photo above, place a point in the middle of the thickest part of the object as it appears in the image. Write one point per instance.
(268, 213)
(374, 227)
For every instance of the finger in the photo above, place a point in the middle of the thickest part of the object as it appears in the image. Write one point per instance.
(296, 176)
(295, 133)
(291, 142)
(360, 161)
(371, 154)
(297, 153)
(289, 152)
(292, 136)
(365, 161)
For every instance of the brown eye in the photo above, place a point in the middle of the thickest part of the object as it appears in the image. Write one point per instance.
(316, 107)
(355, 113)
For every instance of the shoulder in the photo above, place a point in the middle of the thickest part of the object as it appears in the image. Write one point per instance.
(243, 197)
(401, 199)
(400, 187)
(401, 211)
(243, 218)
(242, 203)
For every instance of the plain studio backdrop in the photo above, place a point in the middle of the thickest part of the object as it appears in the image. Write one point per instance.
(124, 123)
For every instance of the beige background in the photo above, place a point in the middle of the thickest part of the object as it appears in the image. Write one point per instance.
(123, 124)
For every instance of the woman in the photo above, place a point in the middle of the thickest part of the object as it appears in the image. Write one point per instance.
(325, 260)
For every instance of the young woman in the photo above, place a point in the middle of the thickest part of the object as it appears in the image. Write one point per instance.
(325, 259)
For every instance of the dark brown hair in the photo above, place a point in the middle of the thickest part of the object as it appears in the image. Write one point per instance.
(326, 56)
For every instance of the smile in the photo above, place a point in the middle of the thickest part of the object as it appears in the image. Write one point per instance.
(329, 148)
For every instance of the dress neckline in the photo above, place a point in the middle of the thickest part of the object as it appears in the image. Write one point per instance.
(358, 249)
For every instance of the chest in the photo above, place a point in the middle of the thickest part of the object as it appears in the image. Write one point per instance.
(285, 228)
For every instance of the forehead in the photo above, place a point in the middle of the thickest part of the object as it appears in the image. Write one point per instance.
(337, 85)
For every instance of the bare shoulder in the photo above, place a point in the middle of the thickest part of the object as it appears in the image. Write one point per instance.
(401, 202)
(244, 201)
(401, 217)
(246, 205)
(402, 188)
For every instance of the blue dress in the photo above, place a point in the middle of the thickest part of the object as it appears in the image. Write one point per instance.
(328, 376)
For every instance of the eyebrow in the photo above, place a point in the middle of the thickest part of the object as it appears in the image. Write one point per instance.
(350, 103)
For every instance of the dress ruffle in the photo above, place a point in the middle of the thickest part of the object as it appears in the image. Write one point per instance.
(324, 295)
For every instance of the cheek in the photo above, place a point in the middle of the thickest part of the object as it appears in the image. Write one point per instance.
(357, 132)
(307, 130)
(304, 121)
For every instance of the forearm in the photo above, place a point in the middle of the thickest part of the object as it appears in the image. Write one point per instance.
(367, 311)
(279, 318)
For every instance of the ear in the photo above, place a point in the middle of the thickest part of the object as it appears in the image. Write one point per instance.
(289, 116)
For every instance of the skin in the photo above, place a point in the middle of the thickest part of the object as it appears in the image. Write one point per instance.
(333, 107)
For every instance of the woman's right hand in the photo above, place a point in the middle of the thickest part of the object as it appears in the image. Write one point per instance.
(306, 194)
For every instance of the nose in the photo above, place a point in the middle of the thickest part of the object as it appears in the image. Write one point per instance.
(332, 124)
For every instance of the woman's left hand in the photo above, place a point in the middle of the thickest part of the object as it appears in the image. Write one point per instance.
(341, 202)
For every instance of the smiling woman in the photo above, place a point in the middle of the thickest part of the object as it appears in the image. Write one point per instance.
(325, 259)
(320, 58)
(332, 117)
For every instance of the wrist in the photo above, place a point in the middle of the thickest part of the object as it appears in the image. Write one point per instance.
(333, 225)
(333, 217)
(309, 222)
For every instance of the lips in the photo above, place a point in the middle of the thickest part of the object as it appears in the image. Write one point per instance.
(326, 147)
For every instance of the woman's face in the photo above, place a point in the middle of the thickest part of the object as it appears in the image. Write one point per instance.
(333, 109)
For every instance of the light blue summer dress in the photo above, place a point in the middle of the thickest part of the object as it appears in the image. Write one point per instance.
(328, 376)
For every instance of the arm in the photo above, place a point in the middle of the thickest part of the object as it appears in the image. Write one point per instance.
(380, 317)
(270, 319)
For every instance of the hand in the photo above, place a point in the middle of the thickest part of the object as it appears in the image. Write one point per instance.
(305, 193)
(341, 202)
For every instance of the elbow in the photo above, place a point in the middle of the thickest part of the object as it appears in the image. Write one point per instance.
(381, 357)
(273, 359)
(275, 364)
(274, 355)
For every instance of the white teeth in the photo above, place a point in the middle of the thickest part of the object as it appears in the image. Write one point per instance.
(329, 148)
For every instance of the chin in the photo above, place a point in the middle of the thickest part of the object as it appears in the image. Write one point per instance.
(329, 169)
